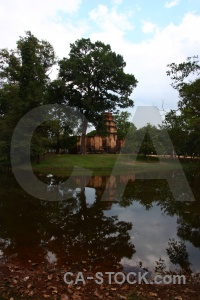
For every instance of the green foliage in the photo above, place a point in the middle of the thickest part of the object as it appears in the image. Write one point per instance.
(122, 124)
(185, 78)
(185, 133)
(95, 80)
(92, 133)
(179, 72)
(23, 83)
(190, 102)
(131, 142)
(178, 254)
(148, 140)
(37, 57)
(177, 129)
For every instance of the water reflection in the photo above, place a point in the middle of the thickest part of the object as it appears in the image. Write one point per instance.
(144, 224)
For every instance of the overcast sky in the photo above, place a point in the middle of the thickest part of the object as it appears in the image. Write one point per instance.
(149, 34)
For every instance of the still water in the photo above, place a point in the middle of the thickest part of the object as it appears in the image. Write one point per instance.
(141, 226)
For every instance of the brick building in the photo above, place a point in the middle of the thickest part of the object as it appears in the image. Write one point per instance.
(99, 144)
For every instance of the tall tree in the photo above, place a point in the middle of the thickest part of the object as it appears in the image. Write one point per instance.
(95, 81)
(24, 77)
(178, 133)
(148, 140)
(185, 79)
(122, 124)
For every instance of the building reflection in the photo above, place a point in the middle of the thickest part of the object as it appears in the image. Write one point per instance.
(77, 230)
(62, 231)
(110, 183)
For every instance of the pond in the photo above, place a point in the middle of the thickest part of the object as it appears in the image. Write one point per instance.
(134, 229)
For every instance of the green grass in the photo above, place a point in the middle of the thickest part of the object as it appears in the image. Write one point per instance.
(86, 161)
(102, 164)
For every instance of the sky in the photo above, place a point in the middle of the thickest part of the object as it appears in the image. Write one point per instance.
(148, 34)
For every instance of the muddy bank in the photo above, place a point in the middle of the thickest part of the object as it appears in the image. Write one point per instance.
(30, 280)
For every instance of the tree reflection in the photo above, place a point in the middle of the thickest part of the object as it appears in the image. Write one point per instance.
(178, 254)
(70, 229)
(74, 230)
(190, 231)
(143, 191)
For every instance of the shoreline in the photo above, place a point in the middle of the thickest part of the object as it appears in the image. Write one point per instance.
(46, 281)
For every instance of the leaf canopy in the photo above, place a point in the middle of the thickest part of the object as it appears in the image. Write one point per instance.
(95, 79)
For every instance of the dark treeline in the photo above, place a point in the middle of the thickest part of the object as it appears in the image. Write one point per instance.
(174, 137)
(91, 80)
(180, 130)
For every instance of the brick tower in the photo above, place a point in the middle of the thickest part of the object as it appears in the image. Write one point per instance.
(110, 141)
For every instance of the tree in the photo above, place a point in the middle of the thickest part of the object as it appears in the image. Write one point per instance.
(92, 133)
(147, 138)
(95, 81)
(179, 72)
(79, 229)
(185, 79)
(24, 77)
(62, 134)
(178, 254)
(122, 124)
(178, 133)
(131, 143)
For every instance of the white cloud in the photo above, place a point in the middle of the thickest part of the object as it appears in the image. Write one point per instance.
(148, 59)
(42, 18)
(173, 44)
(148, 27)
(110, 20)
(172, 3)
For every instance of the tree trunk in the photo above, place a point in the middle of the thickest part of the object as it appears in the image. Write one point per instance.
(57, 144)
(83, 197)
(83, 137)
(38, 158)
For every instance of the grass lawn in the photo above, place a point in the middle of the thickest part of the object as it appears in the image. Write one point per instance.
(103, 164)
